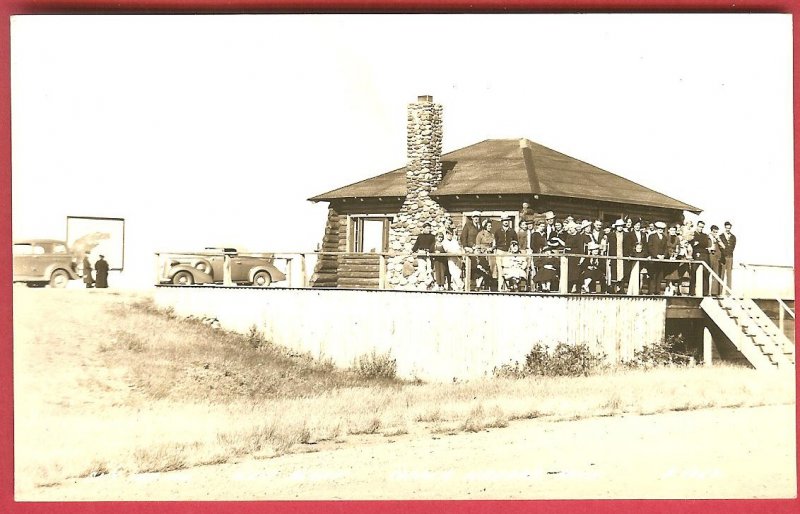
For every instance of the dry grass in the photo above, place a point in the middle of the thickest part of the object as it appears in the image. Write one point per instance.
(106, 384)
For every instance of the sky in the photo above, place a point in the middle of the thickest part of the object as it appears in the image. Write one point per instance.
(214, 130)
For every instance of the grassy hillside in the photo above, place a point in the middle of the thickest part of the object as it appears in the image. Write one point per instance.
(106, 383)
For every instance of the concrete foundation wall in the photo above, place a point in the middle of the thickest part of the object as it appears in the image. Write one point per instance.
(433, 336)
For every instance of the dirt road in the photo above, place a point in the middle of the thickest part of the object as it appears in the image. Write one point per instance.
(715, 453)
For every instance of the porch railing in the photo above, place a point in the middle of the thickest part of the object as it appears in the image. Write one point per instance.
(297, 266)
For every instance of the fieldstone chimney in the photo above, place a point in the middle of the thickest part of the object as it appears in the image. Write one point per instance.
(423, 175)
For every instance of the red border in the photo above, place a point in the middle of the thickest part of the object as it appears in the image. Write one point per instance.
(11, 7)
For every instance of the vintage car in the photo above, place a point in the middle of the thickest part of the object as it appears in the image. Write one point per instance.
(207, 268)
(41, 262)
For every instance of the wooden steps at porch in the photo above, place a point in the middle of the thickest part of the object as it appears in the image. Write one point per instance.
(753, 334)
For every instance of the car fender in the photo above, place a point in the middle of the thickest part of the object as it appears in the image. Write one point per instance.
(198, 276)
(276, 274)
(48, 272)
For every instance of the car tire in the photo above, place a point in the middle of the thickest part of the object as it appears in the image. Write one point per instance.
(183, 278)
(262, 279)
(59, 279)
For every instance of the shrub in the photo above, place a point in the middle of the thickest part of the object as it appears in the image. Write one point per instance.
(254, 337)
(564, 360)
(376, 365)
(672, 351)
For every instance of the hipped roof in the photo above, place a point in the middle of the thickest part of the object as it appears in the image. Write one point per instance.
(500, 166)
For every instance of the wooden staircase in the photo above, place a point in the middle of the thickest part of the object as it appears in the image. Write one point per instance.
(753, 333)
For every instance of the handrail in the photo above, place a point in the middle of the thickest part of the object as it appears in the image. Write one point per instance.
(783, 309)
(724, 288)
(756, 265)
(501, 254)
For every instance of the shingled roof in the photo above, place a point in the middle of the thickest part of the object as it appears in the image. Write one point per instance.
(514, 166)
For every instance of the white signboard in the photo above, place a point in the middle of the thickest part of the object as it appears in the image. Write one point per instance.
(98, 236)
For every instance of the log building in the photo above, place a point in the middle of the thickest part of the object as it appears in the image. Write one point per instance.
(385, 213)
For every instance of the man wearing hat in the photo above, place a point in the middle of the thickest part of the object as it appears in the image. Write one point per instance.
(505, 234)
(658, 249)
(101, 272)
(550, 229)
(620, 244)
(470, 230)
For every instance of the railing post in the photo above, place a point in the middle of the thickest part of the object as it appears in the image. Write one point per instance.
(303, 274)
(499, 267)
(780, 317)
(698, 279)
(381, 271)
(708, 342)
(563, 275)
(634, 286)
(467, 273)
(226, 270)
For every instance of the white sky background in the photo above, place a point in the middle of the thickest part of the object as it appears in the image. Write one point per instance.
(213, 130)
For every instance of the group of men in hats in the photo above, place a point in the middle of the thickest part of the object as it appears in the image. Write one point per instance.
(654, 241)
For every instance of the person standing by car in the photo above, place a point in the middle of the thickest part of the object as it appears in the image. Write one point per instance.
(101, 272)
(87, 272)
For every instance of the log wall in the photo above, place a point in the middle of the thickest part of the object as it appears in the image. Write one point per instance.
(433, 336)
(326, 271)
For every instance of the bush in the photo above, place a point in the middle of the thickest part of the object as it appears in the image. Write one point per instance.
(564, 360)
(672, 351)
(376, 365)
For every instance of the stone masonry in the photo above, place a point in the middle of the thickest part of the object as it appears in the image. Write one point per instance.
(423, 174)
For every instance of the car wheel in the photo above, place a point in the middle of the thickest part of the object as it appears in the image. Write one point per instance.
(183, 278)
(262, 279)
(59, 279)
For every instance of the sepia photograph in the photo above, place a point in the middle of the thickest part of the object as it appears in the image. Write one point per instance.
(403, 257)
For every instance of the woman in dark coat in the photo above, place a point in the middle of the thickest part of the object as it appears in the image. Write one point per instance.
(101, 269)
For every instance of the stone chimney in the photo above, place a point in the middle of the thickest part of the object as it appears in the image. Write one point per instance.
(423, 146)
(423, 175)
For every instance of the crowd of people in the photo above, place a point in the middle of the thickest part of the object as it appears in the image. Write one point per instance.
(528, 258)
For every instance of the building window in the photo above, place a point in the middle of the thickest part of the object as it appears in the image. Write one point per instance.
(369, 234)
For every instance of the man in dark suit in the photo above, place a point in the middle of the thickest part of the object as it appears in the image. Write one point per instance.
(657, 249)
(550, 228)
(700, 247)
(620, 244)
(728, 245)
(505, 234)
(470, 230)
